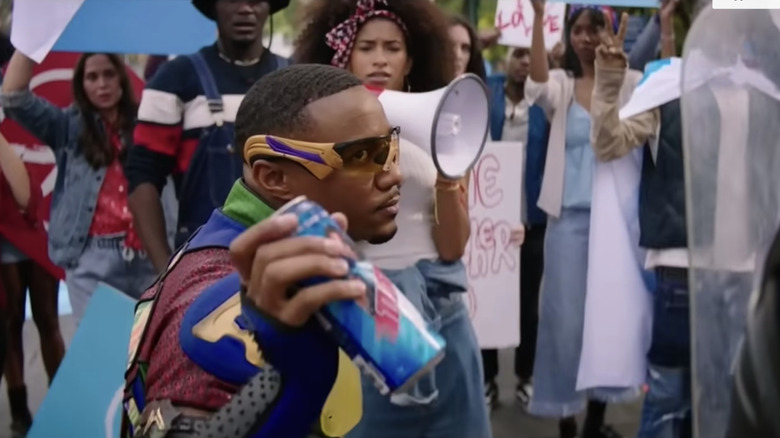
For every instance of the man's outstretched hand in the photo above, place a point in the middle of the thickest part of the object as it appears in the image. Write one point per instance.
(271, 263)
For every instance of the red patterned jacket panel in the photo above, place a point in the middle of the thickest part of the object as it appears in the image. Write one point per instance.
(171, 374)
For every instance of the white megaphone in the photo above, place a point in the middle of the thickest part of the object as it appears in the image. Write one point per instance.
(450, 123)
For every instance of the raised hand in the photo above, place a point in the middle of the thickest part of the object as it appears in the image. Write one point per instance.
(610, 52)
(271, 263)
(668, 8)
(538, 6)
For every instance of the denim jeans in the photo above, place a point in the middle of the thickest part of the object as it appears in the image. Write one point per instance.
(666, 412)
(448, 402)
(103, 261)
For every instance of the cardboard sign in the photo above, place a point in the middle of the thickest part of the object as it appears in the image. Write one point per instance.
(85, 397)
(515, 18)
(492, 261)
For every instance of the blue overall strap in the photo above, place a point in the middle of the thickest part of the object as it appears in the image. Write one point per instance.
(213, 97)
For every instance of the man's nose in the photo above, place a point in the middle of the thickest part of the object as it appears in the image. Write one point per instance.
(389, 178)
(246, 7)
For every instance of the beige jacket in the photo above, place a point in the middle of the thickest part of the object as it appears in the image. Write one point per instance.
(554, 97)
(610, 137)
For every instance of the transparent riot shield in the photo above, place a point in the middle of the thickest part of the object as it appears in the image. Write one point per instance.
(731, 129)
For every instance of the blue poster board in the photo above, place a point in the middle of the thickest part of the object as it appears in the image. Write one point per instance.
(160, 27)
(84, 399)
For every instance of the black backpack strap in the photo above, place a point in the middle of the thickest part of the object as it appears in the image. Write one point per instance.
(209, 85)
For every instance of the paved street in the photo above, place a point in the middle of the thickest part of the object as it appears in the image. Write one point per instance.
(509, 421)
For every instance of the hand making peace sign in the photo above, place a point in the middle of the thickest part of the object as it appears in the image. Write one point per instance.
(610, 52)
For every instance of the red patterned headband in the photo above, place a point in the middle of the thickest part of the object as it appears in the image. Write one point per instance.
(342, 37)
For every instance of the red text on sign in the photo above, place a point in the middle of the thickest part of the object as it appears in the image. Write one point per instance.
(484, 189)
(490, 250)
(518, 19)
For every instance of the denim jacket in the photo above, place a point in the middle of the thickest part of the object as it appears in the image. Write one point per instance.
(78, 183)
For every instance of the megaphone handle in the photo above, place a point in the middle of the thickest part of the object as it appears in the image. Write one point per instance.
(444, 186)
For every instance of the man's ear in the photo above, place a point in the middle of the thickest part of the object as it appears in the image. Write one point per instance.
(274, 179)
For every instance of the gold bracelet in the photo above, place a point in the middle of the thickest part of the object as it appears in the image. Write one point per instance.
(447, 186)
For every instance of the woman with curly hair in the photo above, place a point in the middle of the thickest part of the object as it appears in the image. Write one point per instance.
(404, 45)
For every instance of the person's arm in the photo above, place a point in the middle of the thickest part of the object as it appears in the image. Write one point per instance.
(157, 138)
(539, 89)
(452, 226)
(146, 172)
(645, 48)
(611, 137)
(40, 117)
(668, 46)
(15, 173)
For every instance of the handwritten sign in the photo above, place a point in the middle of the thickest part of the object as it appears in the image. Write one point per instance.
(620, 3)
(493, 262)
(515, 18)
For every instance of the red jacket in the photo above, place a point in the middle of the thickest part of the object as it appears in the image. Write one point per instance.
(24, 229)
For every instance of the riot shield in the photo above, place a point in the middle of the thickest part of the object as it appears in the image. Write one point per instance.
(731, 130)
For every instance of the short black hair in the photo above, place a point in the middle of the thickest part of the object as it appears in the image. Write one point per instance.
(275, 105)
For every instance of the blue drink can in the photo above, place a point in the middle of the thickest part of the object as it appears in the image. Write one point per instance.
(385, 336)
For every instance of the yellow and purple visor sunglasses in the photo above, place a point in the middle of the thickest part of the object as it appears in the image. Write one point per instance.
(367, 155)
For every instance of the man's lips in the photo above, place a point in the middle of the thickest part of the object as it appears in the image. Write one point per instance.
(245, 25)
(390, 207)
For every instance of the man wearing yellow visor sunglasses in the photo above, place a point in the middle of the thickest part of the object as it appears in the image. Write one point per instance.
(196, 366)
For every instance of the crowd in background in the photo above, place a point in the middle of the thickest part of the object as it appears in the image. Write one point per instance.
(136, 178)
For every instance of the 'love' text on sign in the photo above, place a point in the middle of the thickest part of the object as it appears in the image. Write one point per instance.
(515, 18)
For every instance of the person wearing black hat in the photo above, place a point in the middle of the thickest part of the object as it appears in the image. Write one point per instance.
(185, 122)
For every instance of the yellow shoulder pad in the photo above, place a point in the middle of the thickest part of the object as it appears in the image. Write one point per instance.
(344, 406)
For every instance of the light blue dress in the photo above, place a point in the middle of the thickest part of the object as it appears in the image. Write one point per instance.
(563, 290)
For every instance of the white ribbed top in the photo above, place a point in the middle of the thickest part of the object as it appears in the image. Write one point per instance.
(414, 240)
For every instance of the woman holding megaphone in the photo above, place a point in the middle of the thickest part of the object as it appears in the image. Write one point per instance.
(404, 46)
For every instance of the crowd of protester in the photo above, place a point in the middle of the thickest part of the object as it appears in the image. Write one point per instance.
(136, 178)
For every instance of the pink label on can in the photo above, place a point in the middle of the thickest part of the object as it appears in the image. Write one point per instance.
(386, 311)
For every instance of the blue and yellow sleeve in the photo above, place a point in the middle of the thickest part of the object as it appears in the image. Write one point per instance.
(302, 374)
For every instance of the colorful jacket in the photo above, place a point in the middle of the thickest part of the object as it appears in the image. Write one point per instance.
(195, 344)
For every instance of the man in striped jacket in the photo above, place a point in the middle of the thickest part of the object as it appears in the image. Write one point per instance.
(185, 122)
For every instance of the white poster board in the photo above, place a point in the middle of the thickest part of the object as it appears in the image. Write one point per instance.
(515, 18)
(492, 262)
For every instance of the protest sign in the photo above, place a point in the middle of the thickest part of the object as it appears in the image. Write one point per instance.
(620, 3)
(514, 18)
(113, 26)
(493, 263)
(84, 399)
